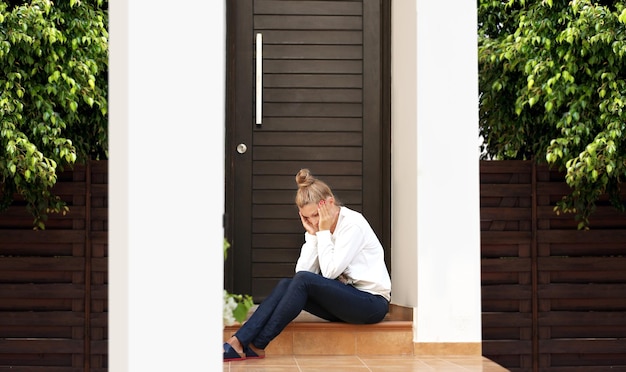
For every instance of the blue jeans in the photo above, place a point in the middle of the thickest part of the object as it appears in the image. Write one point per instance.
(326, 298)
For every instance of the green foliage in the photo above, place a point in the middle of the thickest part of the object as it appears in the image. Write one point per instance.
(236, 306)
(53, 101)
(244, 303)
(226, 246)
(552, 78)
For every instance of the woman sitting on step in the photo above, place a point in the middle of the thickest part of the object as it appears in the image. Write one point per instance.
(340, 274)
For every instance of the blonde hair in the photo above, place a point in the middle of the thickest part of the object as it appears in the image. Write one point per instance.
(311, 189)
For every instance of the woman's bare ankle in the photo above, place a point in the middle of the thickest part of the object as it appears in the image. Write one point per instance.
(234, 342)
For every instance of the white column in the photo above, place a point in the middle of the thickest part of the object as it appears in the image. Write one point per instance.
(166, 185)
(436, 210)
(404, 153)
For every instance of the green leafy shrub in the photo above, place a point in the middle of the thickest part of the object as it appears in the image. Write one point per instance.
(552, 78)
(53, 101)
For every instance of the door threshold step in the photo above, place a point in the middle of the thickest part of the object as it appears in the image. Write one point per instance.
(309, 335)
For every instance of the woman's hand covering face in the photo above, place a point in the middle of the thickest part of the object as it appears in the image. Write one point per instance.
(322, 216)
(328, 213)
(307, 224)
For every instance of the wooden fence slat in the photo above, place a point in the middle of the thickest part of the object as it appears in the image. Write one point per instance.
(584, 325)
(99, 347)
(583, 346)
(19, 212)
(99, 291)
(99, 319)
(596, 264)
(42, 263)
(512, 347)
(511, 291)
(42, 318)
(505, 190)
(583, 318)
(582, 291)
(499, 237)
(601, 213)
(505, 265)
(617, 237)
(44, 291)
(41, 346)
(577, 368)
(42, 236)
(100, 264)
(494, 213)
(506, 319)
(509, 166)
(42, 369)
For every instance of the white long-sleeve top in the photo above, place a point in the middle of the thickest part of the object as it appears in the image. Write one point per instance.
(353, 250)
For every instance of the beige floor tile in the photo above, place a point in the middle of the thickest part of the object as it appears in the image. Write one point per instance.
(492, 367)
(335, 369)
(443, 365)
(384, 343)
(399, 361)
(392, 368)
(478, 363)
(268, 364)
(276, 360)
(329, 361)
(467, 363)
(251, 368)
(333, 363)
(448, 348)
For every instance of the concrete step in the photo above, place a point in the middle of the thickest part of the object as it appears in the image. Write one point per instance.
(309, 335)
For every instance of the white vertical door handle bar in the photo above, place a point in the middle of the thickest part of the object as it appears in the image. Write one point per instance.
(259, 79)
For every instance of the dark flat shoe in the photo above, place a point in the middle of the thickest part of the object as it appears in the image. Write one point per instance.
(231, 355)
(250, 354)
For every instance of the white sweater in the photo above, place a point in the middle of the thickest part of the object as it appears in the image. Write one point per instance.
(353, 250)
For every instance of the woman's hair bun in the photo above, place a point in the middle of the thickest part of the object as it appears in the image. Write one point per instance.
(304, 178)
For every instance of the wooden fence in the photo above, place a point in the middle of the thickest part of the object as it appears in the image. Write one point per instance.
(553, 297)
(53, 282)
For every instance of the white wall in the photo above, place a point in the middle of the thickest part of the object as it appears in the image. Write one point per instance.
(166, 163)
(435, 168)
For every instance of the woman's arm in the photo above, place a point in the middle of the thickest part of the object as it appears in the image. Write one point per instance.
(308, 255)
(335, 256)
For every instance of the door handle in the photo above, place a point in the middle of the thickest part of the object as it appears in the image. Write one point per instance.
(259, 79)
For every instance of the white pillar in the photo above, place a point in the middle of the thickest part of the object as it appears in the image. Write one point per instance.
(167, 70)
(435, 195)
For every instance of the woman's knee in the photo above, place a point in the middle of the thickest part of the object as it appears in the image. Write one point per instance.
(380, 308)
(311, 282)
(283, 283)
(305, 276)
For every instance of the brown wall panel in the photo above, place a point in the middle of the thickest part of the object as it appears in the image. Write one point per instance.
(567, 287)
(53, 282)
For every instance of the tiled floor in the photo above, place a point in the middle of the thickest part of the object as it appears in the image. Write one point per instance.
(348, 340)
(352, 363)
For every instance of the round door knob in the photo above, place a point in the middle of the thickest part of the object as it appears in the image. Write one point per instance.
(242, 148)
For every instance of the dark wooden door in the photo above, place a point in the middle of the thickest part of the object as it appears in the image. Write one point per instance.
(325, 106)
